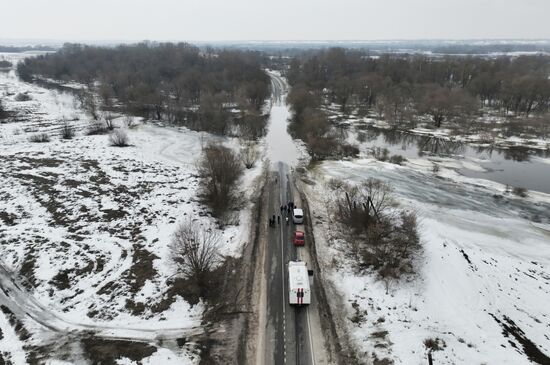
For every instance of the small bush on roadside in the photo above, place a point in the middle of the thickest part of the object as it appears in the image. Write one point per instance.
(519, 191)
(397, 159)
(5, 64)
(67, 131)
(434, 344)
(39, 138)
(22, 97)
(360, 316)
(119, 138)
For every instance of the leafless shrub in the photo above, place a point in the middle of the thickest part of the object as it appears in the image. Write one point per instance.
(118, 138)
(397, 159)
(23, 97)
(519, 191)
(196, 251)
(355, 203)
(39, 138)
(109, 119)
(129, 122)
(380, 235)
(249, 155)
(67, 131)
(97, 127)
(360, 316)
(434, 344)
(220, 169)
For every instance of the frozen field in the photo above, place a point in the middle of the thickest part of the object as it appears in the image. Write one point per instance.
(85, 231)
(483, 281)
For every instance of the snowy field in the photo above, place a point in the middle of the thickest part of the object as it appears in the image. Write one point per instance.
(85, 231)
(483, 279)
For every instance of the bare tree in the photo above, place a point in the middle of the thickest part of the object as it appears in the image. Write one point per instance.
(109, 120)
(442, 103)
(67, 131)
(89, 104)
(220, 169)
(358, 206)
(196, 251)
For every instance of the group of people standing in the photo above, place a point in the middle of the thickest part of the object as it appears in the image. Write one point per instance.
(286, 211)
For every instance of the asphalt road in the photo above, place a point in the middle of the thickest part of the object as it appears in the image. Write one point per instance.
(287, 327)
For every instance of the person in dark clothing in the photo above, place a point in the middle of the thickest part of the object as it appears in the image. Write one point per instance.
(278, 219)
(273, 219)
(282, 209)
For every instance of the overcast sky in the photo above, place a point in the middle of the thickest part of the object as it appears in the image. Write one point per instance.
(211, 20)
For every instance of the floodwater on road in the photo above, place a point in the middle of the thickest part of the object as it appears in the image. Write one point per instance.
(280, 145)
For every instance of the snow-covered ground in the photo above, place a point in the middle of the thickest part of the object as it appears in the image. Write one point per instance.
(484, 271)
(85, 227)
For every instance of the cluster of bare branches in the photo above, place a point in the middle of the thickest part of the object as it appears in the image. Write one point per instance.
(380, 235)
(220, 168)
(196, 251)
(119, 138)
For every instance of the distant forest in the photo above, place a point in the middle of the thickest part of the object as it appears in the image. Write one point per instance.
(18, 49)
(406, 89)
(221, 91)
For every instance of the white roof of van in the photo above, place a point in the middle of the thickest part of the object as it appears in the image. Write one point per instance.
(298, 211)
(297, 275)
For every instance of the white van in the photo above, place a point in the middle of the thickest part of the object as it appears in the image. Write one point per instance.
(297, 216)
(298, 283)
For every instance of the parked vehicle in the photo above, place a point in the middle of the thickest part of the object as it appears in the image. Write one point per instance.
(297, 216)
(298, 283)
(299, 238)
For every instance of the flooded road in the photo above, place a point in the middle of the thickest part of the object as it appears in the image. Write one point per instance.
(280, 145)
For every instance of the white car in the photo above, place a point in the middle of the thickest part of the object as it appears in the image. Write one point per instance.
(298, 216)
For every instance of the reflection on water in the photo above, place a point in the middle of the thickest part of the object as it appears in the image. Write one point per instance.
(514, 166)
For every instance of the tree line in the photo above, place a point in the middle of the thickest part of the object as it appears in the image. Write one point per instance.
(404, 89)
(221, 91)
